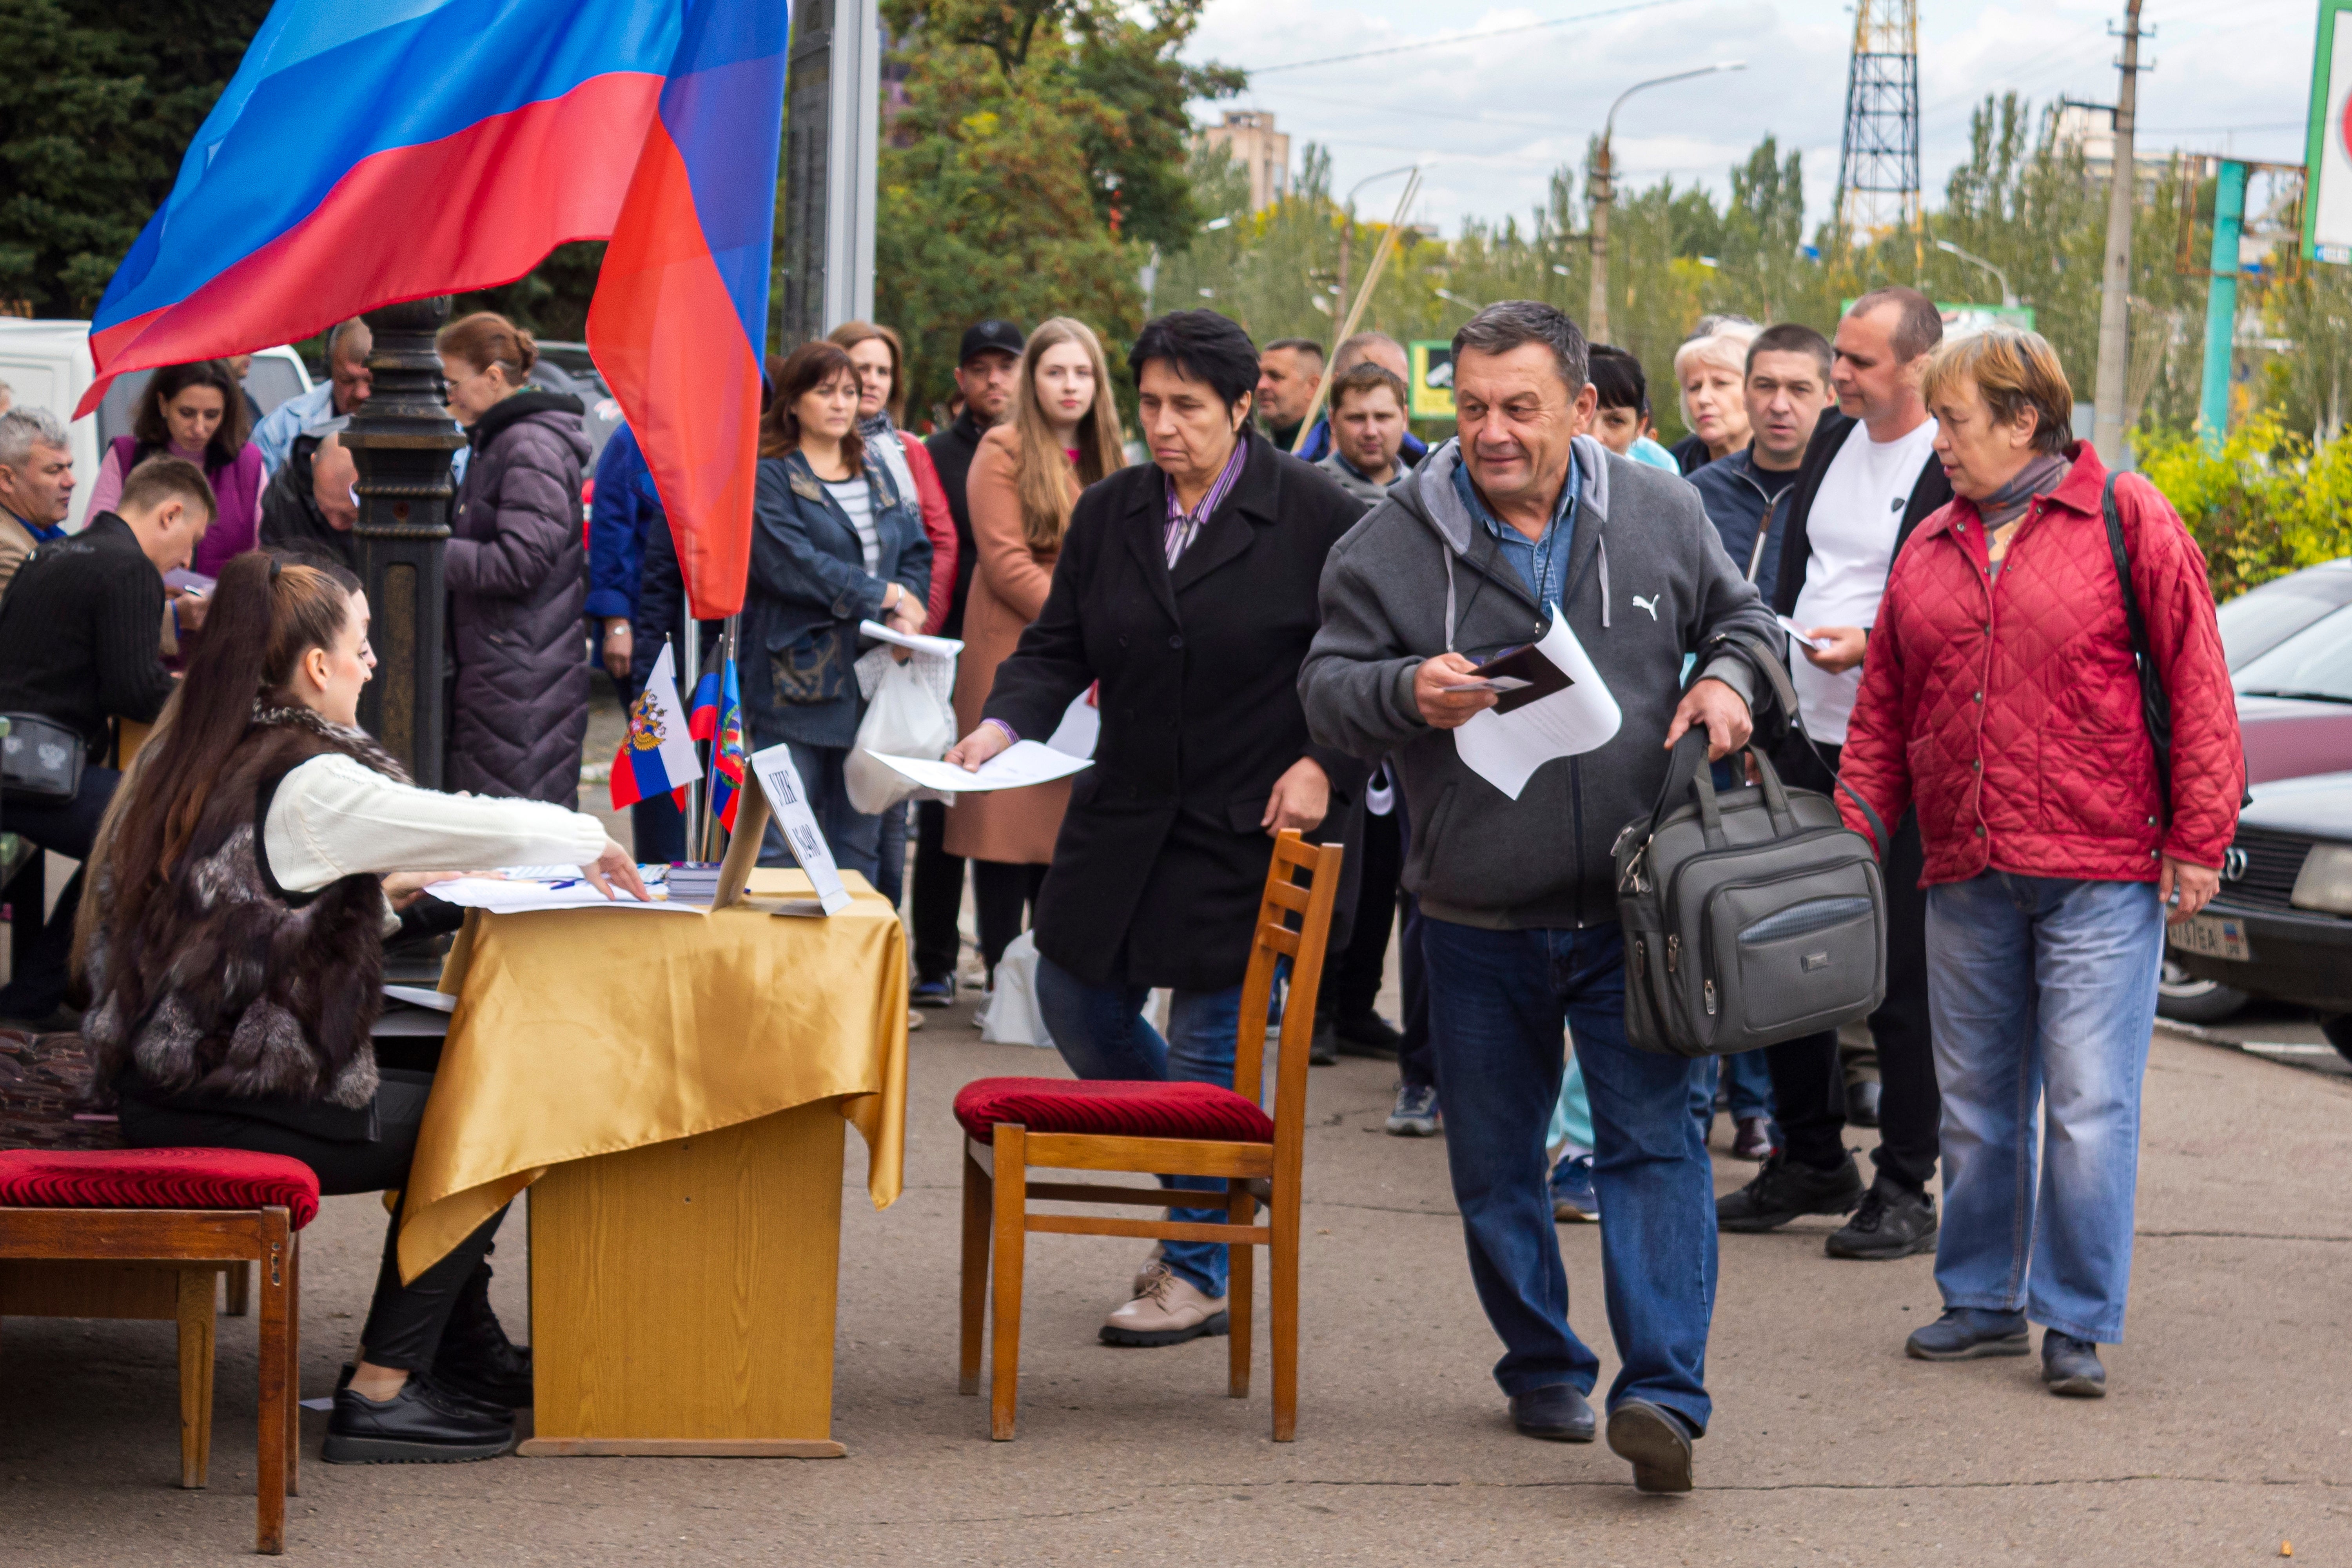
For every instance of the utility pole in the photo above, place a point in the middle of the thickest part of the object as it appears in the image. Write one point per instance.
(2115, 298)
(1601, 192)
(832, 104)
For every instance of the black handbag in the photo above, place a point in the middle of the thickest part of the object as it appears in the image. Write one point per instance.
(40, 758)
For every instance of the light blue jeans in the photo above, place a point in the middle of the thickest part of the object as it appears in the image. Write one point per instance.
(1102, 1033)
(2043, 993)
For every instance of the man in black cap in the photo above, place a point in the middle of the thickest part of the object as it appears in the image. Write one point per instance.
(987, 370)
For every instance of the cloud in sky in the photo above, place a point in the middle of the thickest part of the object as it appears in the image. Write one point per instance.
(1496, 114)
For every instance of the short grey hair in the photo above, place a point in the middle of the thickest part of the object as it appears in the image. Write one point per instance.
(1509, 323)
(22, 429)
(342, 331)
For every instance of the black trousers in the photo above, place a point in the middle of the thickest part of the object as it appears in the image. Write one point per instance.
(404, 1323)
(1808, 1082)
(937, 903)
(1356, 977)
(1004, 898)
(67, 827)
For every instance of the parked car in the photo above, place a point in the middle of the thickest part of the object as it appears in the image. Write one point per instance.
(568, 367)
(2289, 646)
(2281, 927)
(46, 364)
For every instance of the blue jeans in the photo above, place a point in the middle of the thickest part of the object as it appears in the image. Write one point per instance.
(1747, 1079)
(2044, 993)
(1102, 1033)
(1497, 1000)
(855, 838)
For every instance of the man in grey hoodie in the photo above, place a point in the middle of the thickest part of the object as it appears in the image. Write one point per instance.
(1519, 513)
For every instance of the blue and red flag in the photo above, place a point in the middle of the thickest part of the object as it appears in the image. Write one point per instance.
(369, 152)
(727, 730)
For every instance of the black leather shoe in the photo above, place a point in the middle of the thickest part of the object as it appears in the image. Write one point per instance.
(1369, 1034)
(1656, 1441)
(1556, 1413)
(1862, 1103)
(1893, 1222)
(503, 1412)
(2071, 1366)
(421, 1424)
(1969, 1333)
(476, 1358)
(1783, 1191)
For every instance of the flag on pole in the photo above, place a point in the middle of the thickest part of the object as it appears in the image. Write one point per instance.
(702, 713)
(726, 756)
(483, 133)
(656, 755)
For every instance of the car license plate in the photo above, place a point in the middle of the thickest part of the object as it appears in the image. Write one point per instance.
(2211, 936)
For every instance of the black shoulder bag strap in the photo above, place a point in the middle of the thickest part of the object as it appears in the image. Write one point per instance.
(1759, 658)
(2155, 702)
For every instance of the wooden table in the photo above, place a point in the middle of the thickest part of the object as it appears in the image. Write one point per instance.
(674, 1091)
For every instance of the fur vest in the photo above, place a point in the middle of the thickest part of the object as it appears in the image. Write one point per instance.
(231, 986)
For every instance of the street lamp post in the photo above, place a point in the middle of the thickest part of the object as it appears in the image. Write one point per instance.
(1602, 192)
(401, 439)
(1348, 223)
(2008, 295)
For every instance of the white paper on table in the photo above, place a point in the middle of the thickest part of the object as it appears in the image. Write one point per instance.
(420, 996)
(788, 801)
(1796, 634)
(1023, 763)
(946, 648)
(500, 896)
(1080, 728)
(1505, 749)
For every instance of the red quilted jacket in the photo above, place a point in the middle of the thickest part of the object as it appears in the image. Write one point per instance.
(2008, 710)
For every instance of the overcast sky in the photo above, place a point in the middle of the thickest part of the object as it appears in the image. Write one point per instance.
(1494, 115)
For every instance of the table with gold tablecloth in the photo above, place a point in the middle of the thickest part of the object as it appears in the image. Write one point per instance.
(675, 1086)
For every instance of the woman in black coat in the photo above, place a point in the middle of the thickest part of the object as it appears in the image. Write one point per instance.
(1203, 753)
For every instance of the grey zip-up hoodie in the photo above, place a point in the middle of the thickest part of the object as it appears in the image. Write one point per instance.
(1647, 583)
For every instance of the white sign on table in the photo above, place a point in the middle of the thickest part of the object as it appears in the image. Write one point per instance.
(787, 798)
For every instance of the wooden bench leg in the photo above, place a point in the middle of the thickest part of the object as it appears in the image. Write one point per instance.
(294, 1365)
(196, 1320)
(1282, 1308)
(1241, 1294)
(241, 1288)
(277, 1394)
(979, 1204)
(1011, 1183)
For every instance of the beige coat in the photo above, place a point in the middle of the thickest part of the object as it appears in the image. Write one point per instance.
(15, 545)
(1008, 588)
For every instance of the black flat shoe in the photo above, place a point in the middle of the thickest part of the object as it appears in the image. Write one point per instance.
(1783, 1191)
(2071, 1366)
(421, 1424)
(1556, 1413)
(490, 1406)
(1657, 1443)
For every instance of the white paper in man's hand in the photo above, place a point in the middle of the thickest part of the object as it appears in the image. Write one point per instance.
(1023, 763)
(1505, 749)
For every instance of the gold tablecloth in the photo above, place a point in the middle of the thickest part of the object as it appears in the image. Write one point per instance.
(582, 1032)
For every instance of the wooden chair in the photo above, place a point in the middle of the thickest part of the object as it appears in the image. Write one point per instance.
(123, 1233)
(1012, 1126)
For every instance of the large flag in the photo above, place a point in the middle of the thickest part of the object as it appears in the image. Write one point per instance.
(369, 152)
(656, 755)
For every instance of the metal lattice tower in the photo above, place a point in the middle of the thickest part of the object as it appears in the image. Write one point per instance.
(1878, 168)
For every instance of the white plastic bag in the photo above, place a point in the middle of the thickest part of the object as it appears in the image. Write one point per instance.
(907, 714)
(1012, 1017)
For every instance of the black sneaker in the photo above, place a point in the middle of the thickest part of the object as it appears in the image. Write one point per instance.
(1656, 1442)
(1783, 1191)
(2071, 1366)
(1369, 1034)
(933, 990)
(1893, 1222)
(421, 1424)
(476, 1358)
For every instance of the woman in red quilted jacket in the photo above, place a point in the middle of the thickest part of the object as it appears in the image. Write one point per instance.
(2001, 696)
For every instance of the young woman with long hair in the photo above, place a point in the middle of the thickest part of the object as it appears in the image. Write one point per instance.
(1025, 479)
(246, 878)
(196, 412)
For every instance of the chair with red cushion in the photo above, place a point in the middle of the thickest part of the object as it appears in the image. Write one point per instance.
(1014, 1125)
(141, 1233)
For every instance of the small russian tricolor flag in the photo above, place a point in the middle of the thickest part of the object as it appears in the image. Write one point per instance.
(657, 753)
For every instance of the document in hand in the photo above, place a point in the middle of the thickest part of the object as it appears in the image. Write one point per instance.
(945, 647)
(1021, 765)
(1505, 749)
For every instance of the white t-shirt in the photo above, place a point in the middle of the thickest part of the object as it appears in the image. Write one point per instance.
(1851, 527)
(856, 498)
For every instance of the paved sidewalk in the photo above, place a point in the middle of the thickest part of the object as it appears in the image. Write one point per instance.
(2229, 1429)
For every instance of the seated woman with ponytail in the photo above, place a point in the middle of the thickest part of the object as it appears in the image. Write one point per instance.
(247, 879)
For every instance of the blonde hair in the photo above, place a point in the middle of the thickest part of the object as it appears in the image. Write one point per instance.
(1048, 484)
(1725, 346)
(2014, 370)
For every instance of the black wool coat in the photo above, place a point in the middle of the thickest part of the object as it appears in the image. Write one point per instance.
(1161, 864)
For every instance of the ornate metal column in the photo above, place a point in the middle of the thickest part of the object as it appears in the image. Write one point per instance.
(401, 439)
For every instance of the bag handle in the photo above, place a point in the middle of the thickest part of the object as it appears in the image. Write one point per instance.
(1776, 675)
(2155, 702)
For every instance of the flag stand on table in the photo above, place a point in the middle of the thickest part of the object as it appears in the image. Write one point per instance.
(719, 718)
(656, 756)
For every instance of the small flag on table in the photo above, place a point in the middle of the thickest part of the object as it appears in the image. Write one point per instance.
(726, 756)
(657, 753)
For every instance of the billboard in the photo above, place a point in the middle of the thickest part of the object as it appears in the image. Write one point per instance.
(2327, 147)
(1432, 379)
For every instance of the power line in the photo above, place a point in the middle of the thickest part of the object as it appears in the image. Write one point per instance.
(1443, 38)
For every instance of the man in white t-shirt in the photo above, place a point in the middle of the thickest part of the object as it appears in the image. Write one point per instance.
(1869, 478)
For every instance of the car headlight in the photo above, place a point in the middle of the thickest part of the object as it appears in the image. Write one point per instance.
(2326, 880)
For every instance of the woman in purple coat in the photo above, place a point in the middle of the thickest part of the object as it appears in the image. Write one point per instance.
(198, 412)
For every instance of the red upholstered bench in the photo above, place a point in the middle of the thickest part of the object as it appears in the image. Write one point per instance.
(189, 1212)
(1111, 1107)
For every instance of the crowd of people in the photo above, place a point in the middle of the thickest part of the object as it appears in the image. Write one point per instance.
(1276, 598)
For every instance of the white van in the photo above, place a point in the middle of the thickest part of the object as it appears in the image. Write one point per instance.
(46, 365)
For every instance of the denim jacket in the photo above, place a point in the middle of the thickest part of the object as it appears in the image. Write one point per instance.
(809, 589)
